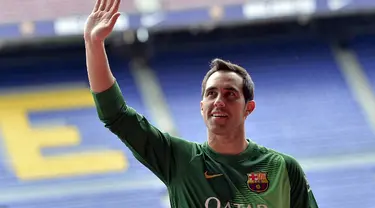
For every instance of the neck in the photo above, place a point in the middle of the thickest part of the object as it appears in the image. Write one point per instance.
(231, 144)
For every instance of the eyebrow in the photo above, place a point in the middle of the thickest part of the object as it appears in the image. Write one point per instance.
(226, 88)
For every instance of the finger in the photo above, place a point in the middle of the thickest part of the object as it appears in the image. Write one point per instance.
(109, 5)
(103, 3)
(113, 20)
(97, 4)
(115, 7)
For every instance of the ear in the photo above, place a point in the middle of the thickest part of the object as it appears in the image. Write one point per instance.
(201, 106)
(250, 106)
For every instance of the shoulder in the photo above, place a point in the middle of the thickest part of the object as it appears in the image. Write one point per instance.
(296, 174)
(180, 141)
(182, 145)
(292, 165)
(300, 191)
(291, 162)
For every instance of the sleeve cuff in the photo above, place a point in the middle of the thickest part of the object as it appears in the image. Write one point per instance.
(109, 102)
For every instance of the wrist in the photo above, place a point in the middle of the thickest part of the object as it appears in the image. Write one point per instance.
(93, 43)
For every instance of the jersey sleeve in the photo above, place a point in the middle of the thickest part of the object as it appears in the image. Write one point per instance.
(300, 192)
(153, 148)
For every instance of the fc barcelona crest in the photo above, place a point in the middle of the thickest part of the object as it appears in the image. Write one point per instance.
(257, 182)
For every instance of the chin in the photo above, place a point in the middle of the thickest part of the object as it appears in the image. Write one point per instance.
(218, 130)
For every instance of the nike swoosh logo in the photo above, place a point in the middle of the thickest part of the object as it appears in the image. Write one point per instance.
(208, 176)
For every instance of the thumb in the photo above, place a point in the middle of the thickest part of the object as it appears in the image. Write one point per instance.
(113, 20)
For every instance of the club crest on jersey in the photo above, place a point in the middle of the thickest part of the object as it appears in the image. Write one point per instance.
(257, 182)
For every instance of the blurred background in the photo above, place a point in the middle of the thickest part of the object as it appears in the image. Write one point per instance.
(312, 62)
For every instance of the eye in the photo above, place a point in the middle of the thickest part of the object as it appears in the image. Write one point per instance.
(210, 93)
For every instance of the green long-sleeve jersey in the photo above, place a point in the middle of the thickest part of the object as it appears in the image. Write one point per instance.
(198, 177)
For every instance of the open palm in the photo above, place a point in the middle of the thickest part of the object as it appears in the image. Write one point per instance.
(102, 20)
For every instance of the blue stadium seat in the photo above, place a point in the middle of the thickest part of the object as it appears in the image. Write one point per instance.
(302, 99)
(116, 199)
(364, 47)
(343, 187)
(304, 108)
(67, 69)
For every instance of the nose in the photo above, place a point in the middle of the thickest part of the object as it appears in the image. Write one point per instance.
(219, 102)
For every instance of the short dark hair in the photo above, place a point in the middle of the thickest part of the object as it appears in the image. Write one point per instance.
(221, 65)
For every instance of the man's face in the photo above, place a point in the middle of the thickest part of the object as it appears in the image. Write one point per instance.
(223, 105)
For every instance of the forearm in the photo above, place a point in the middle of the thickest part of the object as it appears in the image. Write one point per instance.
(98, 69)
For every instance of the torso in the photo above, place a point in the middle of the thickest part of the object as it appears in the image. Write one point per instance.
(259, 180)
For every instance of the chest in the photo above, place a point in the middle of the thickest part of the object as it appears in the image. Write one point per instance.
(248, 184)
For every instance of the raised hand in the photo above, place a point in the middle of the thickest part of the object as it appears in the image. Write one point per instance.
(102, 19)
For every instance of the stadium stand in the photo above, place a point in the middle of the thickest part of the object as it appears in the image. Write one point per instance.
(67, 70)
(364, 47)
(300, 96)
(305, 107)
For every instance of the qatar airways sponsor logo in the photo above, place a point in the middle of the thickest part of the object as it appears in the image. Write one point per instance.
(214, 202)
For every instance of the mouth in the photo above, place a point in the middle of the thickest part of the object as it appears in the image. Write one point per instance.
(219, 115)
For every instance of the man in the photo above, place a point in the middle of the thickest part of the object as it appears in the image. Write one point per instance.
(226, 171)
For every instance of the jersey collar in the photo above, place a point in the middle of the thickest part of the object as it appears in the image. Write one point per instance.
(245, 155)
